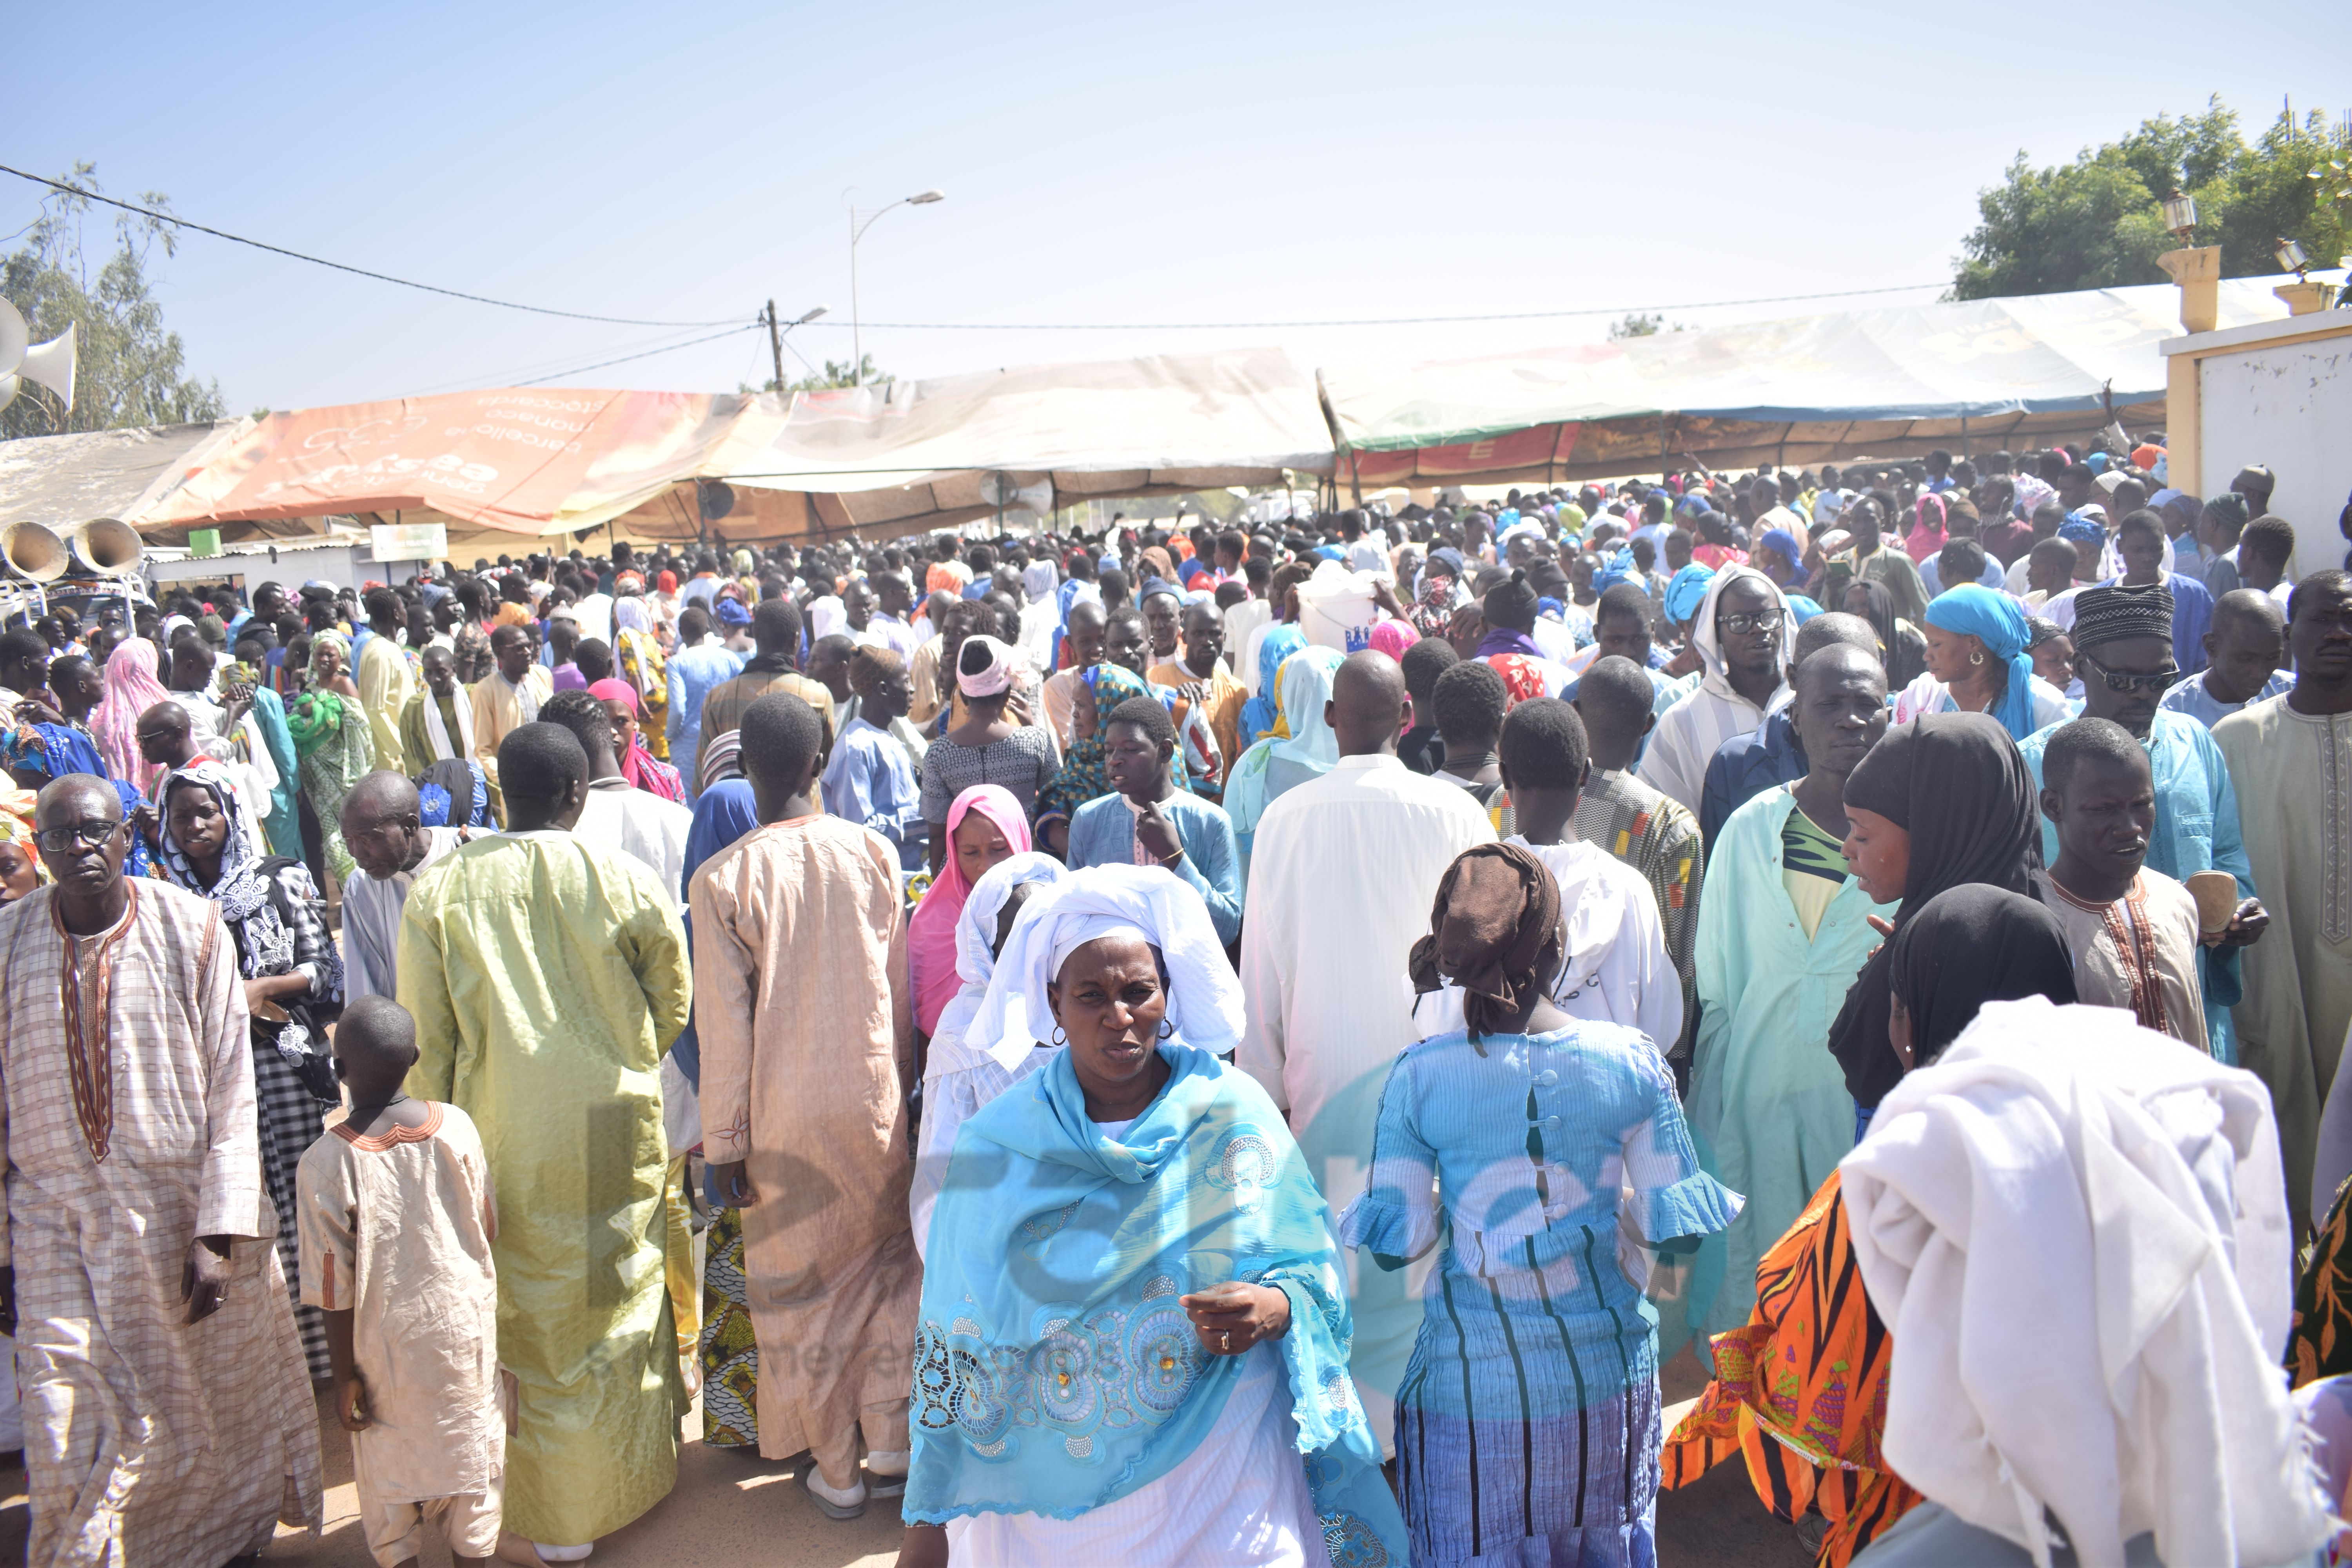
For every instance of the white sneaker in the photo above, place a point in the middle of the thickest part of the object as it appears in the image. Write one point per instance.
(831, 1503)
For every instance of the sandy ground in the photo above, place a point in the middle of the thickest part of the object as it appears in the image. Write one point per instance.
(732, 1509)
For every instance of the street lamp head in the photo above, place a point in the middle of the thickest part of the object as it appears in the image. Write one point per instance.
(2291, 258)
(812, 316)
(2179, 214)
(927, 198)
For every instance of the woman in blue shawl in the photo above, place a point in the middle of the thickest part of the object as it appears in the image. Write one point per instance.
(1133, 1338)
(1262, 714)
(1301, 749)
(1978, 663)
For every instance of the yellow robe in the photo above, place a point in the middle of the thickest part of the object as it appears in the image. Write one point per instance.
(547, 977)
(385, 684)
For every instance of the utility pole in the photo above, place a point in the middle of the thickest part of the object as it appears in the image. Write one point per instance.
(776, 345)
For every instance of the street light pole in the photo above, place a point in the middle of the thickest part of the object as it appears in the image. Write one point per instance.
(776, 337)
(857, 232)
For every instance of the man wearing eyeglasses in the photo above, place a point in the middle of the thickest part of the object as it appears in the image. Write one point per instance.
(2124, 654)
(136, 1214)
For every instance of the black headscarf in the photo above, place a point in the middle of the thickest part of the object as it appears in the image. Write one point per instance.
(1970, 945)
(1957, 784)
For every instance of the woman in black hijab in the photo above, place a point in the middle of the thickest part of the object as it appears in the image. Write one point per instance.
(1970, 945)
(1902, 646)
(1946, 800)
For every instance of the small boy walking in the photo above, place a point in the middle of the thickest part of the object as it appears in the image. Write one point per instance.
(396, 1218)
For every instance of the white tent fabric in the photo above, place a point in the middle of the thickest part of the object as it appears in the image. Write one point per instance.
(916, 453)
(63, 482)
(1817, 386)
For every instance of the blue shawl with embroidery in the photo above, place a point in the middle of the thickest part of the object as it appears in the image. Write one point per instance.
(1055, 1371)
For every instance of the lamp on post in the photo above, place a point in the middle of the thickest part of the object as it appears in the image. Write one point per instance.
(2197, 268)
(857, 232)
(776, 336)
(2303, 296)
(2180, 214)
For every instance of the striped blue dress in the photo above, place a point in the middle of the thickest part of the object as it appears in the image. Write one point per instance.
(1527, 1422)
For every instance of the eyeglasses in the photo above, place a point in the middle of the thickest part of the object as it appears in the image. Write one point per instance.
(87, 834)
(2127, 682)
(1742, 625)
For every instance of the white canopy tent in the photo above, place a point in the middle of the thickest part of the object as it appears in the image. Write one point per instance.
(914, 455)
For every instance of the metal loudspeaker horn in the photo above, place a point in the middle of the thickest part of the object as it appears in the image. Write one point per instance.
(50, 363)
(35, 551)
(108, 548)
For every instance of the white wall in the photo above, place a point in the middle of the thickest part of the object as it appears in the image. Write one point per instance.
(335, 563)
(2289, 408)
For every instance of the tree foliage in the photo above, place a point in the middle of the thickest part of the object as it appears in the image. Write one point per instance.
(129, 369)
(1638, 325)
(2098, 221)
(838, 372)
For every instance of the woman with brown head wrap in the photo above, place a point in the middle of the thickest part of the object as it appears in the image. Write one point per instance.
(1529, 1411)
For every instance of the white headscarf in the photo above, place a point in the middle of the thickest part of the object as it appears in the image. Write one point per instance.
(2076, 1232)
(975, 943)
(1204, 995)
(1710, 645)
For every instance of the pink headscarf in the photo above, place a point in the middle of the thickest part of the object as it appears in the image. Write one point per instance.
(1927, 533)
(930, 935)
(640, 767)
(1393, 636)
(132, 688)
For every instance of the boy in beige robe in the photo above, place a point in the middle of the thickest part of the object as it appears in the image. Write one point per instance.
(801, 1001)
(2134, 932)
(397, 1217)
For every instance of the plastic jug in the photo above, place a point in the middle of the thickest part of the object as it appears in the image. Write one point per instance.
(1336, 609)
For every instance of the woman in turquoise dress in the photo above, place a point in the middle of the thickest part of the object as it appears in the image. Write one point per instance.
(1528, 1426)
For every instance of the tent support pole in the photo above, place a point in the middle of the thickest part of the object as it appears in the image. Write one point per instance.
(1964, 435)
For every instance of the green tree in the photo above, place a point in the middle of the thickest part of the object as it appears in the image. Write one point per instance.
(838, 372)
(129, 371)
(2098, 221)
(1638, 325)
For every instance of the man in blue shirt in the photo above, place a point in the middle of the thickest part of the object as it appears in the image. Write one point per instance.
(1747, 766)
(696, 667)
(870, 779)
(2247, 645)
(1150, 822)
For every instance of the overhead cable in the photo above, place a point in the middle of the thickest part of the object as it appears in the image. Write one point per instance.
(339, 267)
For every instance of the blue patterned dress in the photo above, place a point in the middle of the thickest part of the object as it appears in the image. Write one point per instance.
(1527, 1422)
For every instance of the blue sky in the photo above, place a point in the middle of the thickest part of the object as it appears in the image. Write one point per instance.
(1103, 164)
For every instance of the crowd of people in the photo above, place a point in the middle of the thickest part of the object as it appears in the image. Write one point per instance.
(1221, 1043)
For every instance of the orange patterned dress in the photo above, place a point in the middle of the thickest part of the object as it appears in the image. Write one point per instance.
(1800, 1391)
(2321, 1344)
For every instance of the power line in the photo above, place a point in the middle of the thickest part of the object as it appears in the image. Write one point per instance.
(339, 267)
(600, 365)
(966, 326)
(658, 341)
(1366, 322)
